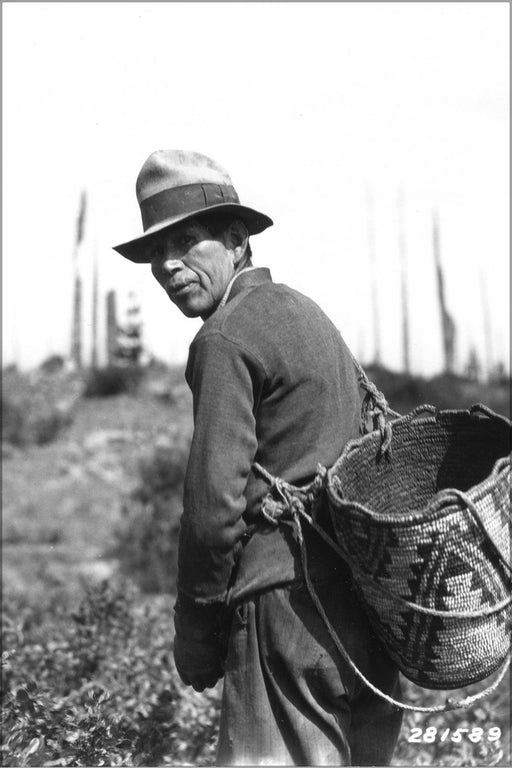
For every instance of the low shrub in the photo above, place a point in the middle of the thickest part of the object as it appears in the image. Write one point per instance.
(13, 423)
(24, 425)
(98, 686)
(112, 380)
(405, 392)
(37, 406)
(101, 689)
(146, 540)
(146, 543)
(47, 427)
(53, 364)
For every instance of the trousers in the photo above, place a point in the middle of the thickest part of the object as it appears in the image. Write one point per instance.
(289, 698)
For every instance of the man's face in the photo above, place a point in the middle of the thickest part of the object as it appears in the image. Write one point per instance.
(193, 267)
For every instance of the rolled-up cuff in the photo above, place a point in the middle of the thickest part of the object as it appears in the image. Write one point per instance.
(195, 621)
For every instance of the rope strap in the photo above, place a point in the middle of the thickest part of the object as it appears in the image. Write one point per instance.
(292, 505)
(450, 704)
(471, 507)
(376, 407)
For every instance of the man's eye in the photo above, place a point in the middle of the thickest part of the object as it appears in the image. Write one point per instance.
(158, 252)
(186, 240)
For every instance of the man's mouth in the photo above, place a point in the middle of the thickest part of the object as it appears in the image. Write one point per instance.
(179, 289)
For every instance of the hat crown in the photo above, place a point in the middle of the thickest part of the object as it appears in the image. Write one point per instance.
(171, 168)
(175, 185)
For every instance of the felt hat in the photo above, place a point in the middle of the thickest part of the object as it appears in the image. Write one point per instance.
(176, 185)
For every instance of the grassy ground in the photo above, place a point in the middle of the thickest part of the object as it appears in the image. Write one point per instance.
(62, 505)
(63, 500)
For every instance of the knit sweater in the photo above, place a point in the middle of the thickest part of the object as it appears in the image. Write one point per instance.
(272, 382)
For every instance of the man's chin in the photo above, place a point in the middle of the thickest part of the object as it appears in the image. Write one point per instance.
(190, 309)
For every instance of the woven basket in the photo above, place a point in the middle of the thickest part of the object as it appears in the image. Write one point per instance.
(425, 527)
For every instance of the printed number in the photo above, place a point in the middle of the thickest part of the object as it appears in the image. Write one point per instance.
(475, 735)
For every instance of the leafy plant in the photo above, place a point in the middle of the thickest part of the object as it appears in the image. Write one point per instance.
(102, 689)
(22, 424)
(147, 537)
(38, 406)
(463, 737)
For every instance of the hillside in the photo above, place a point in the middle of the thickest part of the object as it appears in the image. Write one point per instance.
(91, 504)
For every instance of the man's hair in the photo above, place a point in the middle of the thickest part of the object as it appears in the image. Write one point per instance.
(216, 223)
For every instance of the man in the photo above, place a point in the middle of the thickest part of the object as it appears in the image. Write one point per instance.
(272, 383)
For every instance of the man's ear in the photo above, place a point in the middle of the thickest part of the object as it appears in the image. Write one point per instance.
(237, 239)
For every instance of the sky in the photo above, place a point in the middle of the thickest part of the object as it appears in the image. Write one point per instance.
(324, 114)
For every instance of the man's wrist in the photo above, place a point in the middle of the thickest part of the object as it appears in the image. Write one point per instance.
(196, 621)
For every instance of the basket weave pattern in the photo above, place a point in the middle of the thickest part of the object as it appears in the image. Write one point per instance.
(427, 528)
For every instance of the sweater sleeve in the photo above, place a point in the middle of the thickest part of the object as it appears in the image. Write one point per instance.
(226, 382)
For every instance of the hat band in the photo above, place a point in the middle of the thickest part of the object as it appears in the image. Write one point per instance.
(186, 199)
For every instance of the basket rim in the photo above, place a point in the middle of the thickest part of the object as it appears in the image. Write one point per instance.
(442, 503)
(432, 416)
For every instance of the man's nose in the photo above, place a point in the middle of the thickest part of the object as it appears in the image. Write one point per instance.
(170, 265)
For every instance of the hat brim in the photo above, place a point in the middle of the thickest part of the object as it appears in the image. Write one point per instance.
(139, 249)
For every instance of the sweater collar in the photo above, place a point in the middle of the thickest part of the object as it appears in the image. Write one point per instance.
(247, 278)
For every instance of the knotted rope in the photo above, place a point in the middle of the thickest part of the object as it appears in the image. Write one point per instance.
(376, 407)
(294, 500)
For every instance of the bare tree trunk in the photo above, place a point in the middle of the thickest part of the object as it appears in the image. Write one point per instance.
(447, 323)
(76, 332)
(373, 277)
(76, 329)
(94, 351)
(111, 327)
(487, 328)
(405, 303)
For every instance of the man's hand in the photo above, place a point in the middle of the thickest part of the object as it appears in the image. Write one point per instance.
(199, 662)
(200, 643)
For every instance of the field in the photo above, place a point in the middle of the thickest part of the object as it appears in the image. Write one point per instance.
(91, 503)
